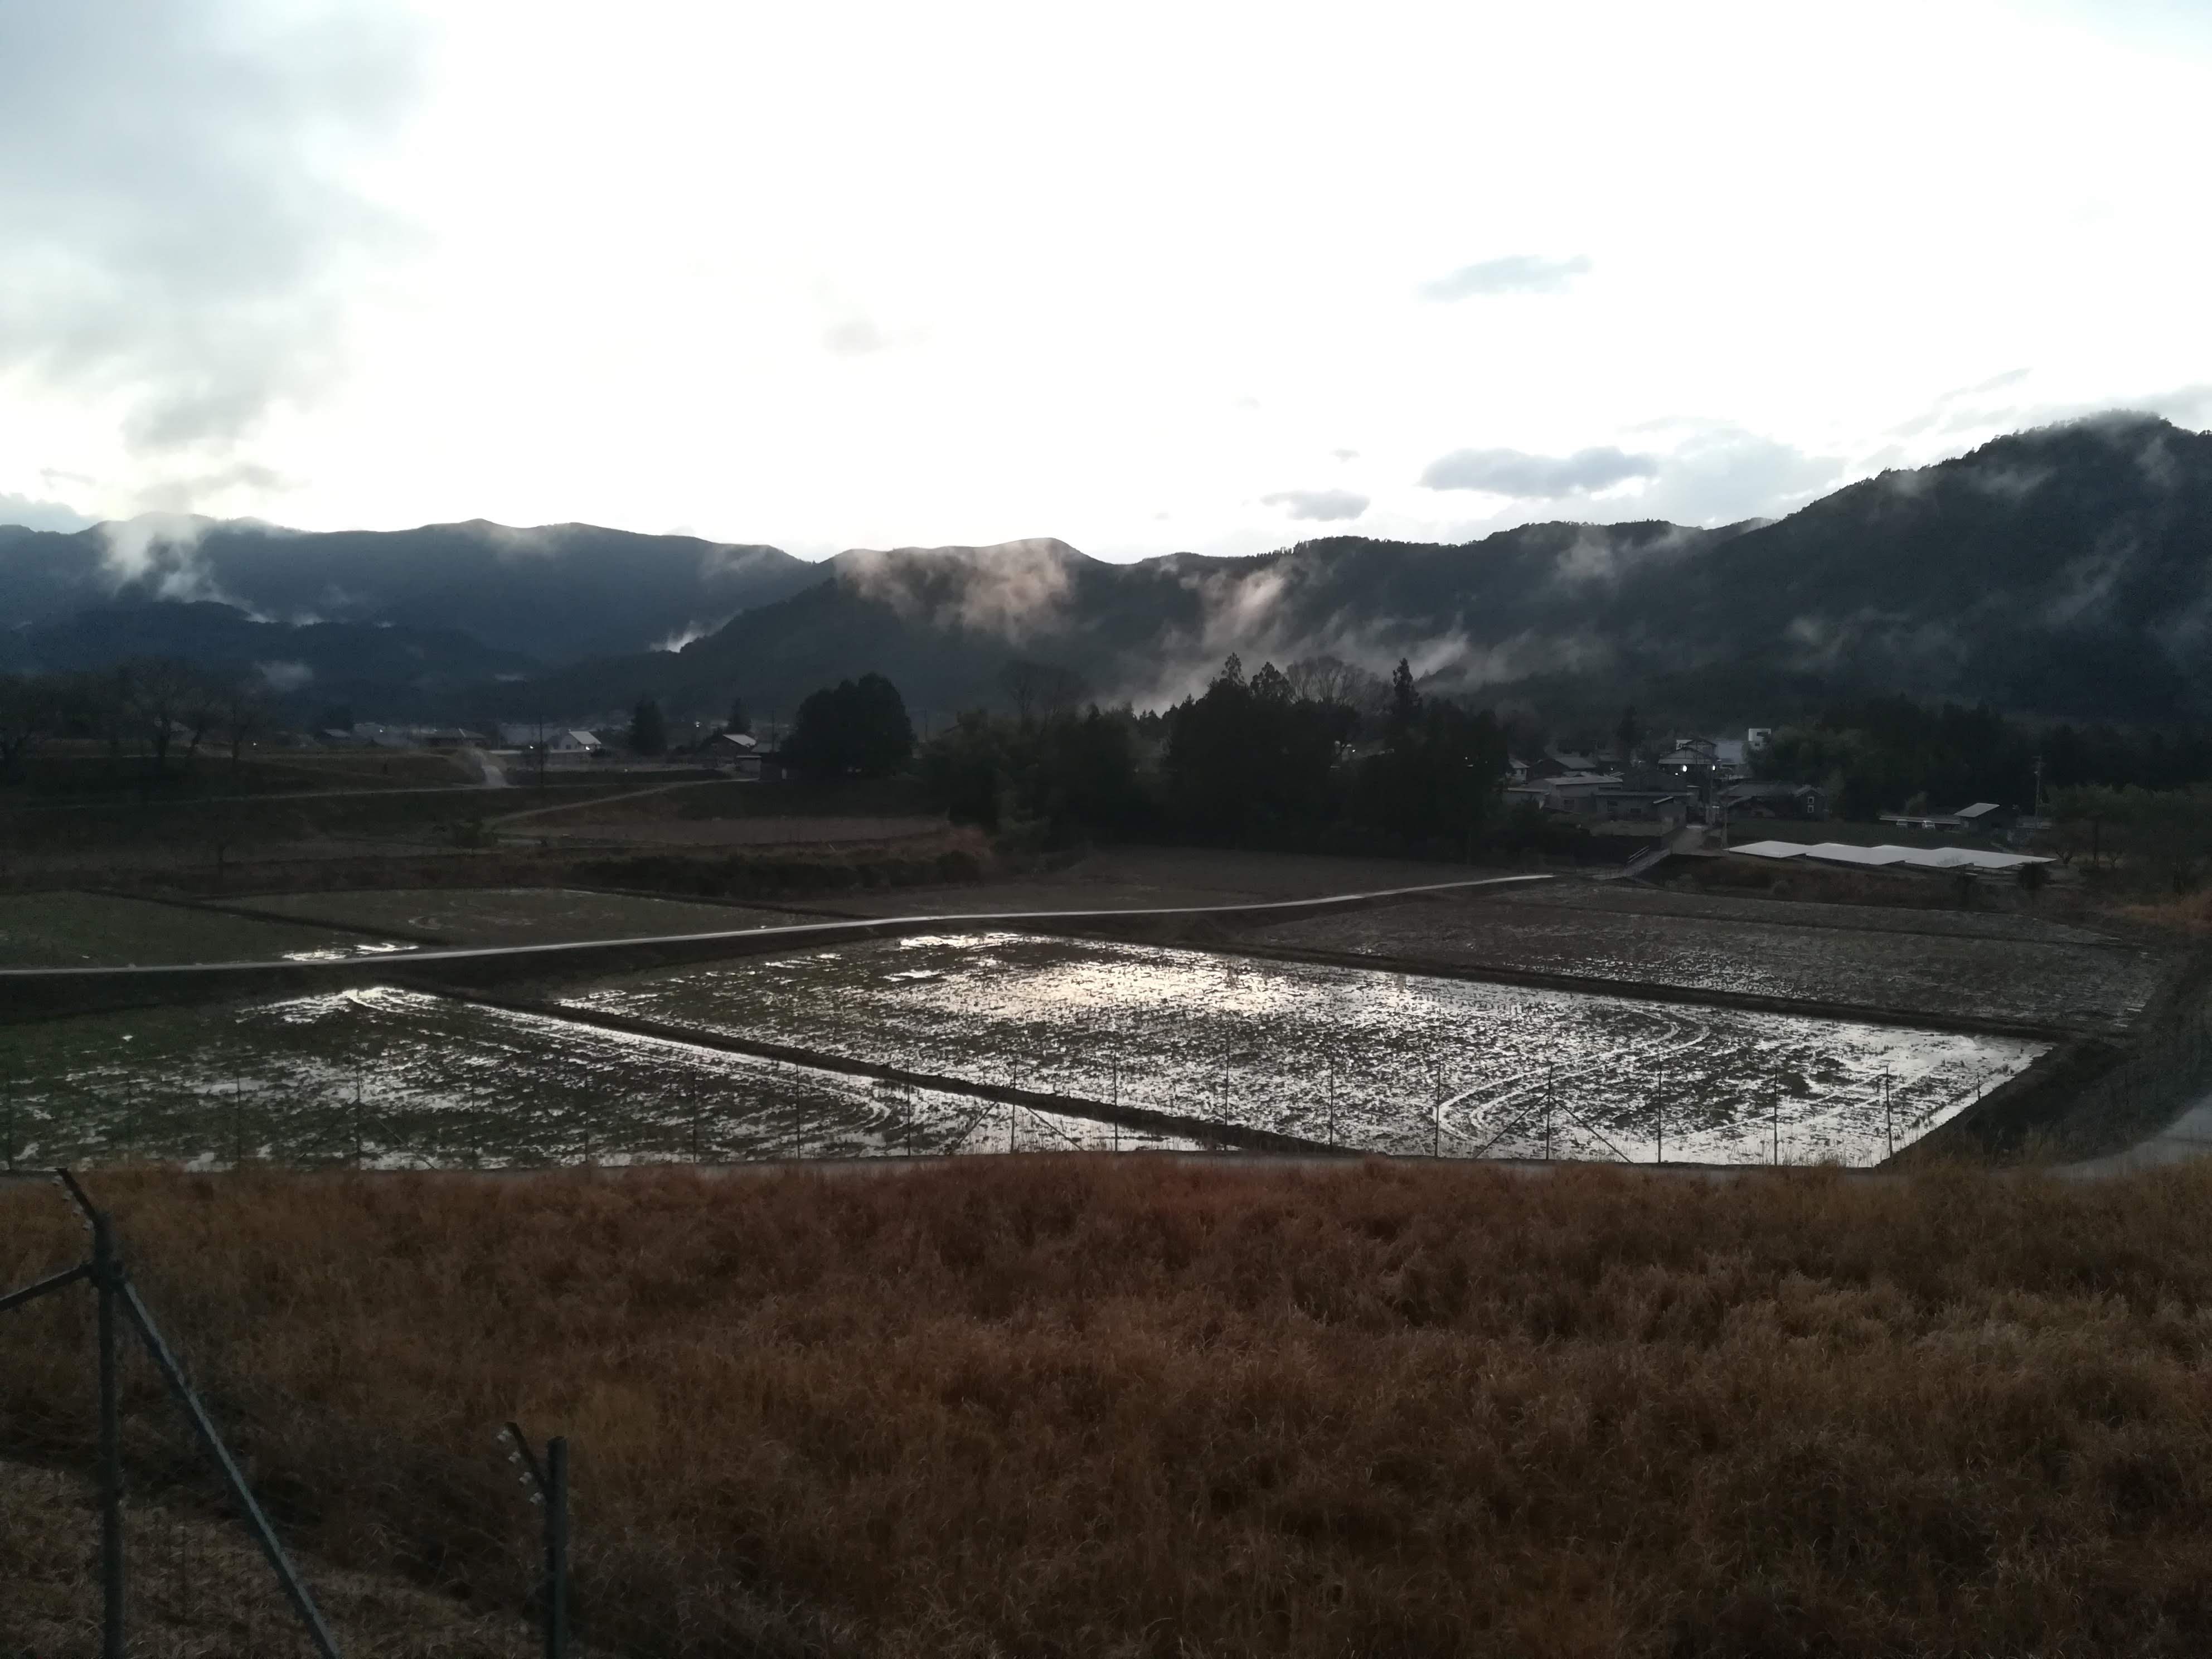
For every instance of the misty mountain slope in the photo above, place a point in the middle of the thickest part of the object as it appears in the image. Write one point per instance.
(943, 623)
(555, 593)
(2066, 570)
(386, 666)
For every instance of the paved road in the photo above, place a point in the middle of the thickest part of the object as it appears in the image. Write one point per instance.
(863, 927)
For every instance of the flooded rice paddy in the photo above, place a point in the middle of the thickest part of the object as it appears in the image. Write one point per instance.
(1357, 1059)
(1380, 1061)
(388, 1078)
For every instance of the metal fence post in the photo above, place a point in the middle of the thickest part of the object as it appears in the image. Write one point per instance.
(104, 1275)
(556, 1547)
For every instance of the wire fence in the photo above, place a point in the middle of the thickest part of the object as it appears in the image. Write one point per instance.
(159, 1500)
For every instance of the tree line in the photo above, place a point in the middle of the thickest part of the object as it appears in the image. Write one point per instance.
(158, 709)
(1323, 756)
(1893, 754)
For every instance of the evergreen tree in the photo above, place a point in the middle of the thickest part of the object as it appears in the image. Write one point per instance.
(648, 728)
(856, 727)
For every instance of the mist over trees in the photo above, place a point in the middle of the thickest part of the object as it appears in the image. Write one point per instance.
(1321, 756)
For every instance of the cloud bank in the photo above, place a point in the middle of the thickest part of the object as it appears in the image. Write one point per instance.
(1536, 478)
(176, 236)
(1326, 505)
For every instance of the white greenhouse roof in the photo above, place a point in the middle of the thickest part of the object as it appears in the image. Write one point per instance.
(1916, 858)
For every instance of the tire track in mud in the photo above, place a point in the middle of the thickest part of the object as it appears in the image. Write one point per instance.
(1530, 1093)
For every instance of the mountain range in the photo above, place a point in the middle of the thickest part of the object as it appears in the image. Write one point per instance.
(2065, 571)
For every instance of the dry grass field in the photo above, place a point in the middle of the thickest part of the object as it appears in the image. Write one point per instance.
(1139, 1407)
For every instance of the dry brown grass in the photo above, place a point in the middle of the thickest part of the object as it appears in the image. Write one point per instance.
(199, 1589)
(2186, 913)
(1134, 1407)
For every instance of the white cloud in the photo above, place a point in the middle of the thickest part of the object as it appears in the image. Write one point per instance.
(40, 515)
(1535, 477)
(181, 236)
(1326, 505)
(1515, 273)
(964, 274)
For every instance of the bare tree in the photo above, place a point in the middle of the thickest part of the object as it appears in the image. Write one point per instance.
(31, 708)
(161, 701)
(242, 714)
(1331, 679)
(1042, 689)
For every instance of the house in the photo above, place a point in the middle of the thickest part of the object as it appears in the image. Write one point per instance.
(1669, 808)
(1774, 800)
(1559, 764)
(1692, 760)
(557, 739)
(1984, 817)
(735, 750)
(1574, 792)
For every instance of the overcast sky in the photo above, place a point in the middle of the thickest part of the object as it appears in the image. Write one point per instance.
(1145, 278)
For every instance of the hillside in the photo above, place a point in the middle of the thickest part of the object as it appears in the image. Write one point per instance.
(2065, 571)
(552, 594)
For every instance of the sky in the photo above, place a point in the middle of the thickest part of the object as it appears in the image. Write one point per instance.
(1145, 278)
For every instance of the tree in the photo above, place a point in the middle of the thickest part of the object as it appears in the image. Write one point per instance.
(1249, 757)
(1405, 701)
(856, 727)
(1054, 781)
(31, 709)
(1628, 733)
(648, 728)
(242, 710)
(1041, 690)
(163, 700)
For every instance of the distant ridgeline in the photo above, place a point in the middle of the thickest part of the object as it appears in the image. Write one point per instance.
(2064, 573)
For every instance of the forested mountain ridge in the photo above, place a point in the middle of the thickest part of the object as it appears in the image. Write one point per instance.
(2065, 571)
(554, 593)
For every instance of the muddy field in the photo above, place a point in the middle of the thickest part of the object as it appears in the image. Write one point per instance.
(515, 915)
(93, 930)
(1913, 961)
(1633, 898)
(1387, 1062)
(384, 1077)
